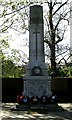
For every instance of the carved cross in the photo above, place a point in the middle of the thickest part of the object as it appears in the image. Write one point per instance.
(36, 33)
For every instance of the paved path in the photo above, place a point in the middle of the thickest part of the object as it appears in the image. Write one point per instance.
(7, 114)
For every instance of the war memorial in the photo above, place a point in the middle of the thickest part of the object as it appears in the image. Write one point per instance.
(37, 83)
(37, 93)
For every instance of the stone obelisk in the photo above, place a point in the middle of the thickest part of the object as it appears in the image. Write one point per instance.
(36, 81)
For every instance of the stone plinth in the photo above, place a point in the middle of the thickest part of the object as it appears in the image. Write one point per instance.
(37, 85)
(43, 107)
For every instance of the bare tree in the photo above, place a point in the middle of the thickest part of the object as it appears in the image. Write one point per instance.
(57, 21)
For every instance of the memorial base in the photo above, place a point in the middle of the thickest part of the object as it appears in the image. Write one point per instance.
(33, 107)
(37, 85)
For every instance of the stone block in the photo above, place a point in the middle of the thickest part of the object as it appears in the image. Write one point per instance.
(37, 85)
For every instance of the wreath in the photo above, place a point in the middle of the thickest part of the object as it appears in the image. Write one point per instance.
(36, 70)
(18, 99)
(44, 99)
(34, 100)
(53, 99)
(23, 99)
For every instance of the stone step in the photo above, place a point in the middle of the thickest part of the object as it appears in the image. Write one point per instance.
(48, 107)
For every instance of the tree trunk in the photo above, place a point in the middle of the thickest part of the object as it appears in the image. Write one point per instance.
(53, 63)
(52, 46)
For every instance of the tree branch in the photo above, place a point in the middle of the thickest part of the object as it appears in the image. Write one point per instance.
(47, 25)
(60, 7)
(58, 23)
(55, 3)
(62, 17)
(7, 20)
(46, 41)
(16, 10)
(59, 38)
(6, 27)
(63, 52)
(17, 30)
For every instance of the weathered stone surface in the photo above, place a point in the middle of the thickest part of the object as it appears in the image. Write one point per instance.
(37, 85)
(36, 40)
(49, 107)
(37, 81)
